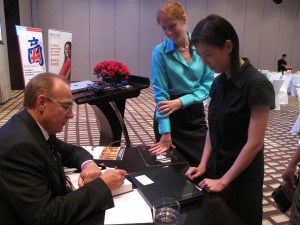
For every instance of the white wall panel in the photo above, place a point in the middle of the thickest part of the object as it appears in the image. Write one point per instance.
(253, 31)
(286, 30)
(5, 87)
(127, 33)
(269, 37)
(25, 13)
(102, 32)
(295, 56)
(217, 7)
(196, 10)
(126, 30)
(150, 34)
(49, 16)
(236, 12)
(76, 20)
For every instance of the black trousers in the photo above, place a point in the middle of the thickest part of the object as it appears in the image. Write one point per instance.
(188, 132)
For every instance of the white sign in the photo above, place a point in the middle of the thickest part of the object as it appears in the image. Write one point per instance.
(31, 51)
(59, 54)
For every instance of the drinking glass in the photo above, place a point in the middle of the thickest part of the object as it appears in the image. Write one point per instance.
(166, 211)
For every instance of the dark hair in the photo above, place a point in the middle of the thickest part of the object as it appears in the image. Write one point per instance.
(70, 44)
(215, 30)
(283, 55)
(41, 84)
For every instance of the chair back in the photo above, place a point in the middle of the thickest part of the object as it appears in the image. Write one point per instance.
(277, 85)
(286, 82)
(298, 92)
(275, 76)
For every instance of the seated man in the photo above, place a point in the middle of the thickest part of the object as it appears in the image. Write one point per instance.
(32, 183)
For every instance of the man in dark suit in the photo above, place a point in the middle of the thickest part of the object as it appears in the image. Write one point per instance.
(32, 183)
(281, 64)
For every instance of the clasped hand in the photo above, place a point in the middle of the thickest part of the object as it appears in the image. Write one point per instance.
(113, 178)
(210, 185)
(168, 107)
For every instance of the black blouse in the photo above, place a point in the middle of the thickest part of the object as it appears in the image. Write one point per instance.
(230, 110)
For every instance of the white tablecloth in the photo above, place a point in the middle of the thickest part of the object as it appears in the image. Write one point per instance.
(294, 83)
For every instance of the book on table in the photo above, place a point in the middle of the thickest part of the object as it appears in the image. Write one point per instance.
(106, 152)
(165, 182)
(170, 157)
(125, 188)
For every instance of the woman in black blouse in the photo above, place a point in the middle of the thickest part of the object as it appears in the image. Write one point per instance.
(241, 99)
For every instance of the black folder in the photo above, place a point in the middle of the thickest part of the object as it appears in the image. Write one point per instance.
(170, 157)
(164, 182)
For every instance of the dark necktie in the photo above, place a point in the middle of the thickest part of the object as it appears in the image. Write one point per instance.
(67, 186)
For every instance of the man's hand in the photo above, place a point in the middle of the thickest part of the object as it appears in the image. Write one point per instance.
(113, 178)
(89, 172)
(289, 175)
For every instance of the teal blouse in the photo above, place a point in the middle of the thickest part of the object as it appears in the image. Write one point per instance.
(170, 75)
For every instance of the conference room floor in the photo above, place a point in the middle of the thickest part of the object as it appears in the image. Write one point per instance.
(279, 143)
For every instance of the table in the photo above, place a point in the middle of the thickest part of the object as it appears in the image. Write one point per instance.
(109, 109)
(211, 210)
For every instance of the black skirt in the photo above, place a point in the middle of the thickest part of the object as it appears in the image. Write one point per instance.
(188, 132)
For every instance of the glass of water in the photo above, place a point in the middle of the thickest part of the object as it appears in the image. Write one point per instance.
(166, 211)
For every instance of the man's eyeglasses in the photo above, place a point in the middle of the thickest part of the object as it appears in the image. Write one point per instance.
(65, 106)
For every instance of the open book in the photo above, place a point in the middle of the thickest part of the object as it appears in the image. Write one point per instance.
(106, 152)
(126, 187)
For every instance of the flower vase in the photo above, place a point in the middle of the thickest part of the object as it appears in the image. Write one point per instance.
(114, 81)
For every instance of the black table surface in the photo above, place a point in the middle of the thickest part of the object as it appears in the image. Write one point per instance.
(211, 210)
(136, 83)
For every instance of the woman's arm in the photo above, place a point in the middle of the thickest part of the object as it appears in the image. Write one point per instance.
(256, 133)
(194, 172)
(289, 173)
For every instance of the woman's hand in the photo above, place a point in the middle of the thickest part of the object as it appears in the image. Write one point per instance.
(289, 175)
(163, 145)
(194, 172)
(212, 185)
(168, 107)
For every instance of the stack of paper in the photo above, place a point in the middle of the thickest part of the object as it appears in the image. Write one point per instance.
(129, 208)
(126, 187)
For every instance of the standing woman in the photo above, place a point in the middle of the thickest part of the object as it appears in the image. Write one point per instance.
(65, 70)
(181, 83)
(241, 99)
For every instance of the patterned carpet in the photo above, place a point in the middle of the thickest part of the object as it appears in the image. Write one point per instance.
(279, 143)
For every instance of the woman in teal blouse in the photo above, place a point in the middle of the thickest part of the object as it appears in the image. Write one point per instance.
(181, 83)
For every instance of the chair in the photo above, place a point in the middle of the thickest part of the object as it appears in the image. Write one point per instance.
(277, 85)
(265, 72)
(296, 127)
(274, 76)
(283, 92)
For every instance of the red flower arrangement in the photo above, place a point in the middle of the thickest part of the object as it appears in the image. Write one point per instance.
(112, 70)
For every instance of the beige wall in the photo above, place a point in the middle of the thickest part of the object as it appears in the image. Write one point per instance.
(5, 89)
(126, 30)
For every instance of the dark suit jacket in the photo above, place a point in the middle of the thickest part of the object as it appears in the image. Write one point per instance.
(31, 190)
(281, 63)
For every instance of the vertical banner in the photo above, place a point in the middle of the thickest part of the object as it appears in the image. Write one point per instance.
(59, 54)
(31, 51)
